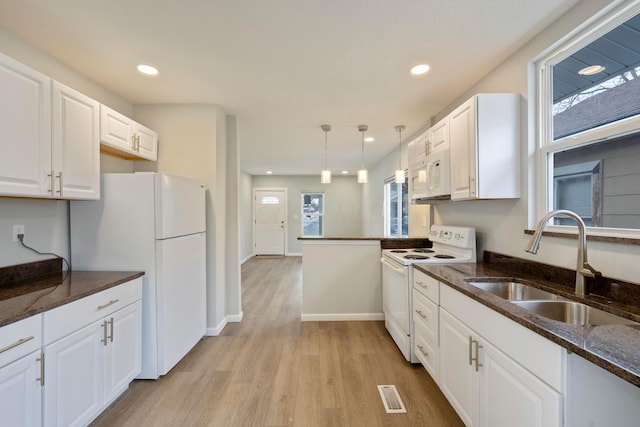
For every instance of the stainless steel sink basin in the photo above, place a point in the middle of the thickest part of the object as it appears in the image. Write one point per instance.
(515, 291)
(573, 312)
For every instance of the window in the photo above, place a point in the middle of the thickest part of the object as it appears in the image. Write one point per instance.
(312, 214)
(590, 127)
(396, 208)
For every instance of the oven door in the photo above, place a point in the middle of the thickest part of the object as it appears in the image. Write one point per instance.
(395, 304)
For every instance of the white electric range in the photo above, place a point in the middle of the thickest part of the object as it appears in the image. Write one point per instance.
(451, 244)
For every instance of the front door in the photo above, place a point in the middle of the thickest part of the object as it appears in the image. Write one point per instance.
(269, 219)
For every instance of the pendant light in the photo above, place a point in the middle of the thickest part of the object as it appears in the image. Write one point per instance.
(363, 174)
(325, 176)
(400, 171)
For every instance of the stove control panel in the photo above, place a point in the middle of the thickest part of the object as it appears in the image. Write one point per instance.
(462, 237)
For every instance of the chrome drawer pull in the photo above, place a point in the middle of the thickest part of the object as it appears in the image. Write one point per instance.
(421, 284)
(421, 314)
(104, 333)
(111, 324)
(421, 348)
(113, 301)
(41, 360)
(17, 343)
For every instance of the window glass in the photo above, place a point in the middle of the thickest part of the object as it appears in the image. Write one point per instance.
(270, 200)
(312, 214)
(591, 147)
(396, 212)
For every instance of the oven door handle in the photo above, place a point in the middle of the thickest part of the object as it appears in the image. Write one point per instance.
(399, 270)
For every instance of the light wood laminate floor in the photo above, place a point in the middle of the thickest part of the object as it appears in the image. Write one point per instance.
(273, 370)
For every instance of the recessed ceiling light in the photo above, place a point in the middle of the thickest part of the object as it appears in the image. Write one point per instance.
(369, 139)
(148, 70)
(269, 172)
(591, 70)
(419, 69)
(345, 172)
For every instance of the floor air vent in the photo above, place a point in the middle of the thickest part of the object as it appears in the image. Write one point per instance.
(391, 399)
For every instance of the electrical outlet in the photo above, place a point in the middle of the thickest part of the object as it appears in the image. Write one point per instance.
(17, 229)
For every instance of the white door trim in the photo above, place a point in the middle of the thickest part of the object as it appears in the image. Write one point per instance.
(286, 215)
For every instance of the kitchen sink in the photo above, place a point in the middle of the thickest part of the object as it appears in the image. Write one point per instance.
(515, 291)
(573, 312)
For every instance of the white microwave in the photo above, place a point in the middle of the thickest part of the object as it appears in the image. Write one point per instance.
(432, 180)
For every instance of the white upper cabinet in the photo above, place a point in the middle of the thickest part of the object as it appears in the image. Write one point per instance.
(484, 135)
(125, 138)
(76, 144)
(438, 137)
(25, 124)
(418, 150)
(50, 146)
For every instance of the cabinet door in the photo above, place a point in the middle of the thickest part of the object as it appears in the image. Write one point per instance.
(458, 379)
(510, 395)
(25, 126)
(74, 377)
(21, 393)
(462, 138)
(76, 144)
(116, 131)
(439, 136)
(123, 352)
(146, 142)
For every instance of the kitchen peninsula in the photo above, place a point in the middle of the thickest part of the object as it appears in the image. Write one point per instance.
(341, 276)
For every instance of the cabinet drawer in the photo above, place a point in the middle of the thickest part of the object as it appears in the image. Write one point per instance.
(425, 314)
(20, 338)
(65, 319)
(427, 285)
(427, 353)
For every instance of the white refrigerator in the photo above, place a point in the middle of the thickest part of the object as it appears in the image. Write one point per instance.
(156, 223)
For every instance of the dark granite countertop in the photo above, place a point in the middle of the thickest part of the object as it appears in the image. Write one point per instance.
(22, 296)
(615, 348)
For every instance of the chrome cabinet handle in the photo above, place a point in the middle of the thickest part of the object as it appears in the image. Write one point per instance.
(476, 358)
(421, 314)
(113, 301)
(111, 325)
(41, 360)
(51, 183)
(421, 348)
(15, 344)
(59, 176)
(421, 284)
(104, 333)
(133, 142)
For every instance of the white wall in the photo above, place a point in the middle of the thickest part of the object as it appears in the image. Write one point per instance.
(500, 223)
(46, 221)
(343, 212)
(246, 215)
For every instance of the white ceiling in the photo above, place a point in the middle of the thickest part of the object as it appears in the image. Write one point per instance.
(284, 67)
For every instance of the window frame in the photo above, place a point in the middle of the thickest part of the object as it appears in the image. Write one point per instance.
(320, 214)
(603, 22)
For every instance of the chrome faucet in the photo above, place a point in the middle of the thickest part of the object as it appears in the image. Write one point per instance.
(583, 269)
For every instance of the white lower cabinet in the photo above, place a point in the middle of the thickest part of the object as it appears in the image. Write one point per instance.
(485, 385)
(87, 368)
(20, 392)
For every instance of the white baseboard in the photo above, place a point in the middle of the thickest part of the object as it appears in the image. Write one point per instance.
(333, 317)
(247, 259)
(217, 330)
(293, 254)
(235, 318)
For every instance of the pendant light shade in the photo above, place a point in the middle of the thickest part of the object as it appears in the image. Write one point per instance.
(400, 172)
(363, 174)
(325, 175)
